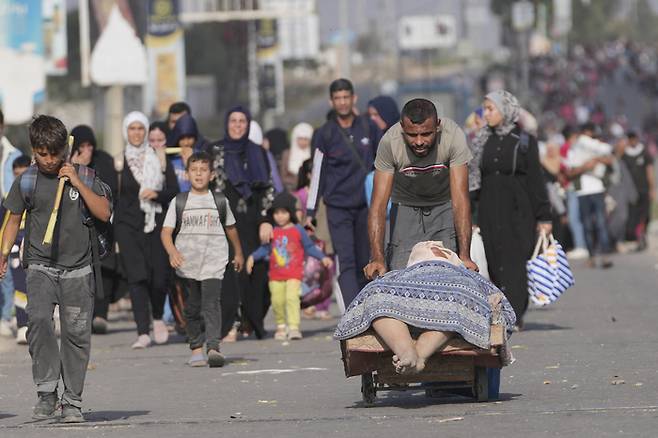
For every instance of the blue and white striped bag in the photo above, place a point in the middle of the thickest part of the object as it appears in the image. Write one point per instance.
(549, 274)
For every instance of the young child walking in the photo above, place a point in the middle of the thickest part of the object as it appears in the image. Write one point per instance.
(289, 245)
(201, 220)
(60, 272)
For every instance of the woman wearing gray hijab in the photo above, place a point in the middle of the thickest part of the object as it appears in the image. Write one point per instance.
(513, 200)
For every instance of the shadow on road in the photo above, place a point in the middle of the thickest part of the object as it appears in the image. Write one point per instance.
(5, 415)
(417, 400)
(531, 326)
(101, 416)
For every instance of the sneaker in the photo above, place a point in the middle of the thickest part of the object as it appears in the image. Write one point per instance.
(197, 360)
(160, 332)
(21, 336)
(143, 341)
(46, 406)
(215, 359)
(5, 329)
(71, 414)
(578, 254)
(281, 333)
(99, 325)
(294, 335)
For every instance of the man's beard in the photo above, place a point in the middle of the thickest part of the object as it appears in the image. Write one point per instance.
(427, 151)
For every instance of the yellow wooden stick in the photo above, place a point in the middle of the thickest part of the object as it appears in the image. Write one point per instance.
(171, 151)
(50, 229)
(5, 251)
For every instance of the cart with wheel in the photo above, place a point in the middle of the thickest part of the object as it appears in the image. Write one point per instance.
(459, 367)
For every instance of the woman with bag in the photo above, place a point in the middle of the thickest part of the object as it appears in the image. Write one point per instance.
(513, 202)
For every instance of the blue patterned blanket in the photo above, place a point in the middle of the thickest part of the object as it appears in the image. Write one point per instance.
(431, 295)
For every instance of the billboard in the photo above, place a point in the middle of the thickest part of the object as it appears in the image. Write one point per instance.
(118, 55)
(54, 37)
(269, 65)
(23, 73)
(417, 32)
(166, 56)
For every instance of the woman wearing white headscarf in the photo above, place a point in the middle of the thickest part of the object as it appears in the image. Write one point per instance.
(513, 202)
(144, 193)
(300, 151)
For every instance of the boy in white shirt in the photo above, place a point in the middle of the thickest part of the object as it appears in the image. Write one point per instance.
(587, 161)
(203, 221)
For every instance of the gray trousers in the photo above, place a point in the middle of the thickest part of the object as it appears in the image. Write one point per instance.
(74, 292)
(203, 312)
(410, 225)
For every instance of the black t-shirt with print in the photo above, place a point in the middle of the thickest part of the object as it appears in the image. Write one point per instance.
(71, 247)
(637, 165)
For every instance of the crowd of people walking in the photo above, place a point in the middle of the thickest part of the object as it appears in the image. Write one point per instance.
(208, 235)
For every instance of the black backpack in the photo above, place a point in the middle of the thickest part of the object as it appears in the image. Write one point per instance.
(101, 233)
(181, 201)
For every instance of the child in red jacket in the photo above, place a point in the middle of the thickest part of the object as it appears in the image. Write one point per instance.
(286, 252)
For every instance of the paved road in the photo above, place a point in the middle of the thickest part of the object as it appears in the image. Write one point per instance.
(603, 330)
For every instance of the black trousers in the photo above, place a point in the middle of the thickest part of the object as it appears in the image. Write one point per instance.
(111, 280)
(203, 312)
(251, 292)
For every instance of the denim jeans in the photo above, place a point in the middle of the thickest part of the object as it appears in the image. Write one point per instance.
(74, 292)
(6, 296)
(575, 222)
(592, 213)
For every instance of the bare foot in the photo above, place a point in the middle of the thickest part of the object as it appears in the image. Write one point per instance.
(420, 364)
(406, 362)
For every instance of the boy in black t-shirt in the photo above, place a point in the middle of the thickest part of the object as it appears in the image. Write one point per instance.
(58, 273)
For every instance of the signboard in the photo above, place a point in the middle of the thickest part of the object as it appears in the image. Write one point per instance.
(166, 56)
(23, 70)
(270, 65)
(423, 32)
(298, 28)
(119, 55)
(523, 15)
(54, 37)
(561, 17)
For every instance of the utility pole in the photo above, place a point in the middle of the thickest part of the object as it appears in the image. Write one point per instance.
(254, 98)
(344, 56)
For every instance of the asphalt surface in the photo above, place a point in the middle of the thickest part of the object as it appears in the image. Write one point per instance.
(586, 367)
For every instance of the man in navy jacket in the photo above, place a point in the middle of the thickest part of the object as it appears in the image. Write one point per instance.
(345, 148)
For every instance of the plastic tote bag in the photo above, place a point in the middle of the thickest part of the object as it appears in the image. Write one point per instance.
(477, 253)
(549, 274)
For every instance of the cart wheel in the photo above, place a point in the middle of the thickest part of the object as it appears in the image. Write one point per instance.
(481, 385)
(368, 389)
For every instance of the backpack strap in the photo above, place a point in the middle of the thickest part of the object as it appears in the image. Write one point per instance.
(522, 144)
(28, 185)
(220, 203)
(181, 200)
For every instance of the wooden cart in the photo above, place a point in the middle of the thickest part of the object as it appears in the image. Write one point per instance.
(460, 367)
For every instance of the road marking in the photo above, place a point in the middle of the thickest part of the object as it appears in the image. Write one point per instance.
(274, 371)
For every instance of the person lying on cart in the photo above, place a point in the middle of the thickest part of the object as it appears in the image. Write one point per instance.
(435, 295)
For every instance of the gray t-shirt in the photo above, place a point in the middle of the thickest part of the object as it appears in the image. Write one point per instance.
(422, 181)
(201, 239)
(71, 247)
